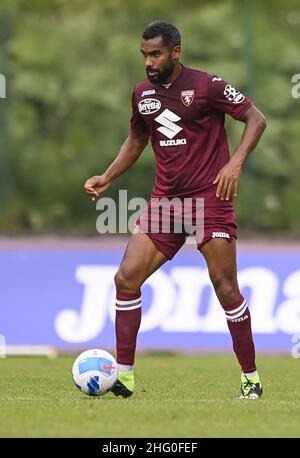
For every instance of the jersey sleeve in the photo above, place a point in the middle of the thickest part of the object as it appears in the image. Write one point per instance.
(225, 97)
(137, 124)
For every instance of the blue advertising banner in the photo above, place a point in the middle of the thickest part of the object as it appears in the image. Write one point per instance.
(65, 299)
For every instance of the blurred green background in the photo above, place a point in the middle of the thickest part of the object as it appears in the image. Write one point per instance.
(70, 68)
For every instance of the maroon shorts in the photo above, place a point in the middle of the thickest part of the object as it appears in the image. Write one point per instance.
(214, 222)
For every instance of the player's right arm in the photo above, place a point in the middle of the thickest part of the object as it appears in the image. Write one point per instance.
(130, 151)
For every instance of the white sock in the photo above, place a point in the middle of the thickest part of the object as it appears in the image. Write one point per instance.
(125, 368)
(250, 374)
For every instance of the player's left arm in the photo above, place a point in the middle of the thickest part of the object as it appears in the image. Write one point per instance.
(228, 177)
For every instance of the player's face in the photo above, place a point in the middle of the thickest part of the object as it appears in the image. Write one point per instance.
(159, 60)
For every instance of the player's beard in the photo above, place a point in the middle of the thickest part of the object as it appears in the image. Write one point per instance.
(162, 75)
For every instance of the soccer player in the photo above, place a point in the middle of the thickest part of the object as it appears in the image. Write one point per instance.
(182, 110)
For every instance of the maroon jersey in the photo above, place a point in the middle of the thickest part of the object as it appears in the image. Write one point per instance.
(185, 123)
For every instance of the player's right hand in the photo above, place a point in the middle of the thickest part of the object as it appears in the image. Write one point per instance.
(96, 185)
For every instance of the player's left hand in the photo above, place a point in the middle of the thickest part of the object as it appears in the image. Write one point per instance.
(228, 180)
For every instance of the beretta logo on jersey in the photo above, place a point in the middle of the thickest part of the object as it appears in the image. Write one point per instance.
(149, 106)
(187, 97)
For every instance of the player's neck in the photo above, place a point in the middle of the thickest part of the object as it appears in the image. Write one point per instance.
(176, 72)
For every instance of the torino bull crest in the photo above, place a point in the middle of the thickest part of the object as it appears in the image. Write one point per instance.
(187, 97)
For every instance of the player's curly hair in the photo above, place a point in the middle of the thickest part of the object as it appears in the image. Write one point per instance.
(169, 33)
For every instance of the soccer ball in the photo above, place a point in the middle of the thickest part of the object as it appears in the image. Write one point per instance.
(95, 372)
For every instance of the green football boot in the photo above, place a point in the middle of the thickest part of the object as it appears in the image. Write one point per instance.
(125, 384)
(250, 388)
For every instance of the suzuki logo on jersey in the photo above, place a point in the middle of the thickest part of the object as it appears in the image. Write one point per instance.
(168, 120)
(187, 97)
(178, 141)
(149, 106)
(233, 95)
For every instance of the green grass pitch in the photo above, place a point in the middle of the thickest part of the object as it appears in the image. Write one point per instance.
(176, 396)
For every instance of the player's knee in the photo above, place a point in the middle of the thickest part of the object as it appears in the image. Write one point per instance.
(121, 280)
(124, 282)
(225, 287)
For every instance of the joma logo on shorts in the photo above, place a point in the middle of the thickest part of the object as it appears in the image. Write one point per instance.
(149, 106)
(223, 235)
